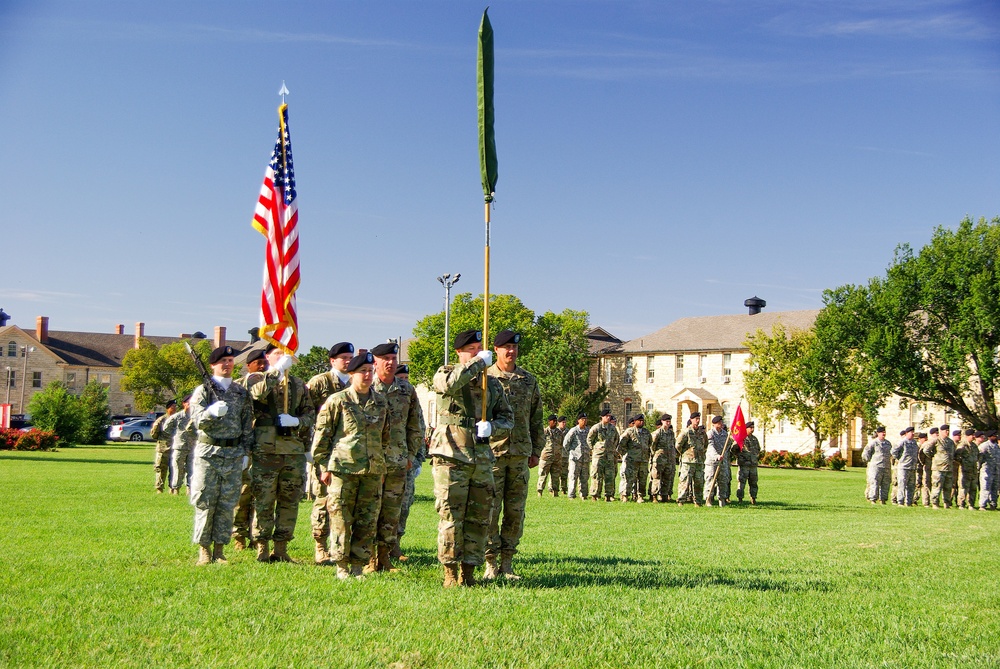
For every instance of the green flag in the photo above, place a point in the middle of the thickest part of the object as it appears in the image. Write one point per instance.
(484, 87)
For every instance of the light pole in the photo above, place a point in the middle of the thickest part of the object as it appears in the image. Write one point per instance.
(25, 350)
(447, 280)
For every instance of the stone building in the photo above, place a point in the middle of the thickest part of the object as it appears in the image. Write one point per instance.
(30, 360)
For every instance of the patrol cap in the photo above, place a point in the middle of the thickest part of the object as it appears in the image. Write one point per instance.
(562, 419)
(170, 403)
(696, 414)
(934, 430)
(716, 419)
(220, 353)
(605, 412)
(956, 433)
(665, 417)
(463, 339)
(552, 416)
(358, 361)
(388, 348)
(969, 432)
(582, 414)
(341, 347)
(402, 369)
(880, 428)
(750, 423)
(505, 337)
(255, 355)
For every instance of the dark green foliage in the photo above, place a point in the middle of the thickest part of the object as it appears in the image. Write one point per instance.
(316, 361)
(95, 414)
(56, 410)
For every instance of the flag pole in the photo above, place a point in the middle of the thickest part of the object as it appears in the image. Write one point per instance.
(487, 162)
(725, 449)
(486, 302)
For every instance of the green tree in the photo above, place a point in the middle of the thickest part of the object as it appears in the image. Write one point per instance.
(559, 355)
(56, 410)
(316, 361)
(155, 375)
(929, 330)
(95, 414)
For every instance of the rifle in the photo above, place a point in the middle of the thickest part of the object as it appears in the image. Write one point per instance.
(214, 389)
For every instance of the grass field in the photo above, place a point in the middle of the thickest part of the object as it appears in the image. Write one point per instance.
(99, 571)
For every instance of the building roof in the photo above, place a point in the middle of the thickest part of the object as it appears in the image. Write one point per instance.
(600, 340)
(715, 333)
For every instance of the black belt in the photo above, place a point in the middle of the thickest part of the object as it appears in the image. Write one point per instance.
(224, 443)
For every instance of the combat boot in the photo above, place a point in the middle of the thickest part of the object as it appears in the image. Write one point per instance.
(624, 498)
(322, 557)
(640, 499)
(371, 567)
(263, 550)
(396, 553)
(204, 555)
(506, 568)
(468, 575)
(490, 570)
(555, 493)
(450, 575)
(357, 571)
(382, 559)
(343, 570)
(239, 543)
(280, 553)
(217, 554)
(539, 493)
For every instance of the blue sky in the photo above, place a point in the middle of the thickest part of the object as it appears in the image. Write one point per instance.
(657, 159)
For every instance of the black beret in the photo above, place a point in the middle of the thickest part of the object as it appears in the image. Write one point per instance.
(750, 423)
(906, 429)
(387, 348)
(270, 347)
(613, 417)
(552, 416)
(956, 433)
(220, 353)
(969, 432)
(991, 434)
(921, 435)
(256, 354)
(582, 414)
(341, 347)
(934, 430)
(605, 412)
(357, 361)
(402, 369)
(463, 339)
(636, 417)
(665, 416)
(980, 433)
(187, 398)
(562, 419)
(505, 337)
(716, 419)
(945, 427)
(696, 414)
(170, 403)
(880, 428)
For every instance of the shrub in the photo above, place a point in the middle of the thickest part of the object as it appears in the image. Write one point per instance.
(793, 460)
(837, 462)
(8, 439)
(95, 415)
(32, 440)
(56, 410)
(816, 460)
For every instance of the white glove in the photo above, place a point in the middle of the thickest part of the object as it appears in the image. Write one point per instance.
(484, 429)
(284, 363)
(287, 420)
(486, 356)
(218, 409)
(246, 462)
(309, 456)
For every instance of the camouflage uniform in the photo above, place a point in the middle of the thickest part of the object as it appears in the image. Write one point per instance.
(221, 444)
(321, 387)
(463, 468)
(714, 461)
(243, 515)
(940, 454)
(664, 464)
(634, 447)
(411, 481)
(161, 463)
(578, 456)
(278, 464)
(183, 437)
(691, 447)
(989, 467)
(905, 453)
(550, 460)
(350, 441)
(747, 459)
(603, 440)
(406, 437)
(878, 454)
(512, 450)
(967, 457)
(924, 470)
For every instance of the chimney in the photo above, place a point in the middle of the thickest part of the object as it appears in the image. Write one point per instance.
(220, 335)
(140, 331)
(755, 304)
(42, 329)
(120, 329)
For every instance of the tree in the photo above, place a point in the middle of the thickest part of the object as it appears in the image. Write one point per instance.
(316, 361)
(929, 330)
(155, 375)
(56, 410)
(792, 376)
(95, 414)
(559, 354)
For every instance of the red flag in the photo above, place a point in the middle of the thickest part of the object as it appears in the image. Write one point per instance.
(738, 430)
(277, 218)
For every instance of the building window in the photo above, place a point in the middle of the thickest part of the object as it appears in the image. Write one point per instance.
(628, 369)
(727, 364)
(36, 379)
(606, 406)
(12, 349)
(11, 378)
(70, 380)
(628, 411)
(106, 380)
(916, 414)
(649, 407)
(679, 368)
(650, 372)
(702, 359)
(607, 371)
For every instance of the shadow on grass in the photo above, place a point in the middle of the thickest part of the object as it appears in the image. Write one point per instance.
(87, 461)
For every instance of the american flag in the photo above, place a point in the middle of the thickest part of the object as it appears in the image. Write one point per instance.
(277, 218)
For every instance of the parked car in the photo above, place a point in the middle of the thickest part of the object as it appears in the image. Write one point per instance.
(136, 430)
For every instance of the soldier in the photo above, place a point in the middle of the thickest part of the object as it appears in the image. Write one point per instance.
(349, 445)
(878, 454)
(406, 437)
(634, 446)
(223, 416)
(516, 452)
(321, 387)
(463, 459)
(548, 461)
(563, 482)
(967, 456)
(283, 417)
(578, 456)
(664, 463)
(182, 438)
(714, 460)
(924, 475)
(747, 459)
(905, 453)
(243, 515)
(940, 454)
(989, 469)
(956, 469)
(161, 464)
(403, 374)
(691, 447)
(603, 440)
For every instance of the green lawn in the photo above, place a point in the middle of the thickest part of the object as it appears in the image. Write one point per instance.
(99, 571)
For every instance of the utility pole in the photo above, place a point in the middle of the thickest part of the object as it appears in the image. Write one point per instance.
(447, 280)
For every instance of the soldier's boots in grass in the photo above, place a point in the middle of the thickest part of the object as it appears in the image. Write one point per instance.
(280, 553)
(343, 570)
(204, 555)
(217, 554)
(263, 551)
(396, 553)
(450, 575)
(468, 575)
(507, 568)
(490, 570)
(322, 557)
(239, 543)
(380, 561)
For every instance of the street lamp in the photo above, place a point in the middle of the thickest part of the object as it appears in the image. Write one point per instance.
(25, 350)
(447, 280)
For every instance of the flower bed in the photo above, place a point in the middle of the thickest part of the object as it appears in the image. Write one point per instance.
(32, 440)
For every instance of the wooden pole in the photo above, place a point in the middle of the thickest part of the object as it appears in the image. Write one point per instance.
(486, 306)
